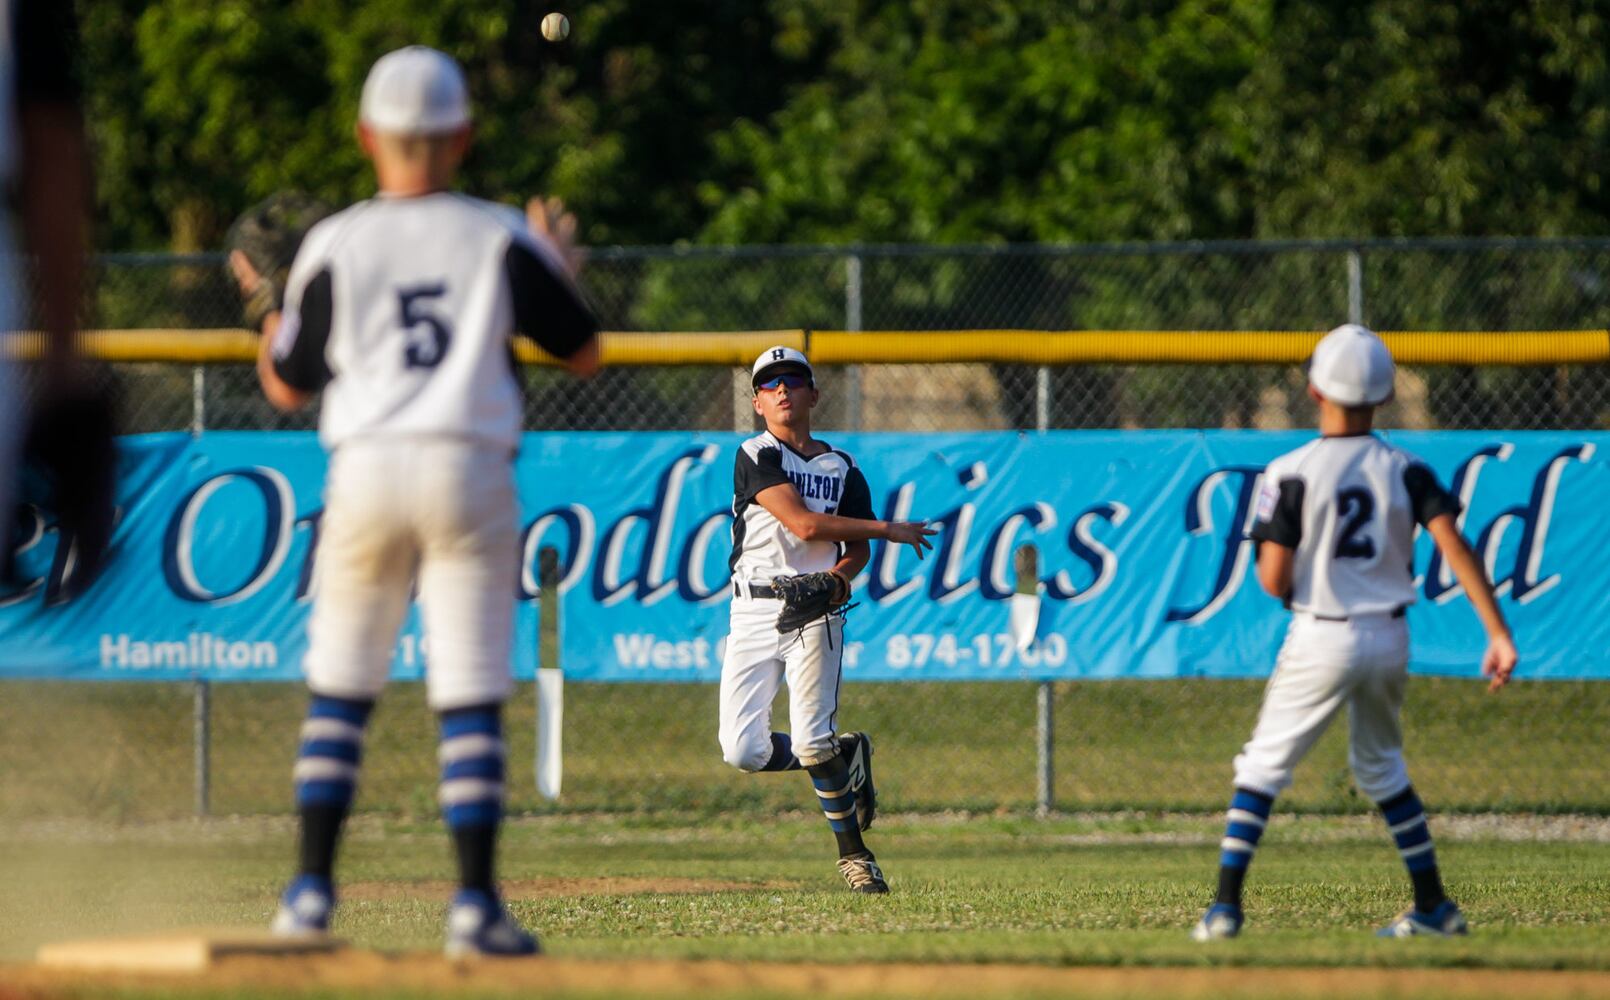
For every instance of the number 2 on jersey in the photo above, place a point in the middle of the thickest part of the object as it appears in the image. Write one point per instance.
(1355, 506)
(427, 334)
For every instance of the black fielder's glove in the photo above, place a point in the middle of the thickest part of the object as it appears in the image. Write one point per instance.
(268, 235)
(808, 597)
(70, 461)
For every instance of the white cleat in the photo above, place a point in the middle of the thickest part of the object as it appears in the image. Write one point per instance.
(478, 925)
(1221, 922)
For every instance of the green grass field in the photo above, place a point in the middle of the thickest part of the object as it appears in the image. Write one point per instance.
(124, 751)
(659, 853)
(1119, 889)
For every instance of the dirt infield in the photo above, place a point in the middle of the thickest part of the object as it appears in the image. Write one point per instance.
(379, 974)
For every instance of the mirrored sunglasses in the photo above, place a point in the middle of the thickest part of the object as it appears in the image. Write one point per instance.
(790, 380)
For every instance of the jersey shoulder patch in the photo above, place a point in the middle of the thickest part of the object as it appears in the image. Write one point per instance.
(1277, 516)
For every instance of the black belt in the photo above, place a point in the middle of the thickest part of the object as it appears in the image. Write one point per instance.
(1397, 612)
(760, 590)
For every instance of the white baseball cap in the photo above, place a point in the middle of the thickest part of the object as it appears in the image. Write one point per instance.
(779, 359)
(1352, 366)
(415, 91)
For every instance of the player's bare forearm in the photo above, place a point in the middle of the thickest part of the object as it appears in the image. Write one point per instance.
(833, 528)
(814, 527)
(1498, 662)
(1275, 563)
(280, 395)
(1467, 569)
(55, 199)
(783, 502)
(853, 561)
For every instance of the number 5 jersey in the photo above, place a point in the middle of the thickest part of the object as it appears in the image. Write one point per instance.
(403, 309)
(1348, 506)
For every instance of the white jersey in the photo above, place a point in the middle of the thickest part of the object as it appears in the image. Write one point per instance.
(402, 311)
(1348, 506)
(829, 483)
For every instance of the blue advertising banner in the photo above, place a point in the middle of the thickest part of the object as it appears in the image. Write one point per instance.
(210, 575)
(1145, 570)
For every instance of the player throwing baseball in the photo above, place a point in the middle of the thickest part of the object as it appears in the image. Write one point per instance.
(802, 520)
(1334, 527)
(401, 309)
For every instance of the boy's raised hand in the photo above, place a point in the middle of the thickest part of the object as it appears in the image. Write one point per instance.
(1498, 663)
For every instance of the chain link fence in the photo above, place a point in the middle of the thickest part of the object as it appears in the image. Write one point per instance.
(138, 750)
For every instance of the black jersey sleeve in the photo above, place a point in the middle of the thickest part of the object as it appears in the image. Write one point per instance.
(1426, 496)
(304, 333)
(45, 45)
(1281, 521)
(547, 308)
(751, 475)
(857, 500)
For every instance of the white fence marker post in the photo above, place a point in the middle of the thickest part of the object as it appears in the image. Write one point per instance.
(550, 762)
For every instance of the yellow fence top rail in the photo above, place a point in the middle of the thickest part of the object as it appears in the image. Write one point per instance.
(1197, 347)
(840, 347)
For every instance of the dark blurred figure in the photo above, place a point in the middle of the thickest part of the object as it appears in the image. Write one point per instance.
(66, 441)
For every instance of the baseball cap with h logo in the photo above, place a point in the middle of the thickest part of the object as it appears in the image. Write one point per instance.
(776, 361)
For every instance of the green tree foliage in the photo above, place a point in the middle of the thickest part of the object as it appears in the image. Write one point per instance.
(1430, 117)
(959, 120)
(200, 107)
(950, 121)
(854, 121)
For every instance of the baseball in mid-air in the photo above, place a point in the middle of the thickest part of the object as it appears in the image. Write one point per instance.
(556, 27)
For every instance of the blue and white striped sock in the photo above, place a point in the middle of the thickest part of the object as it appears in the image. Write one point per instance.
(472, 766)
(835, 793)
(326, 777)
(782, 754)
(472, 758)
(1406, 820)
(1243, 828)
(330, 752)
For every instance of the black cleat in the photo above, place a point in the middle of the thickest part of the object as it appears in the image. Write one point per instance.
(857, 750)
(863, 874)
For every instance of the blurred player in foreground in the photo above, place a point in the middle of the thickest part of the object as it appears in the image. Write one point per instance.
(1335, 527)
(67, 440)
(401, 309)
(802, 518)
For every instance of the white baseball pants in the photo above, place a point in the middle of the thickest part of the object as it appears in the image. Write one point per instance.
(440, 509)
(1361, 663)
(758, 659)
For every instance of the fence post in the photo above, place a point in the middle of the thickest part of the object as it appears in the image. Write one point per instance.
(198, 399)
(201, 701)
(203, 738)
(852, 322)
(1045, 733)
(1042, 398)
(1355, 287)
(743, 412)
(1045, 729)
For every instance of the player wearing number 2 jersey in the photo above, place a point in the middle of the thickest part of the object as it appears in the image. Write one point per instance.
(401, 310)
(1335, 527)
